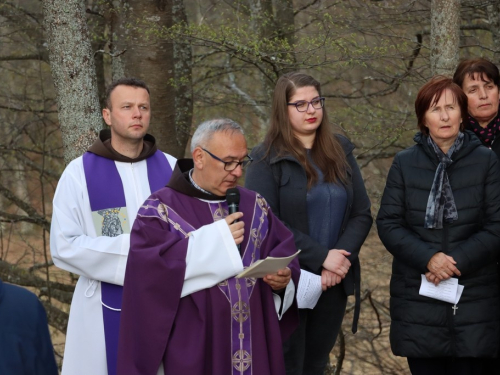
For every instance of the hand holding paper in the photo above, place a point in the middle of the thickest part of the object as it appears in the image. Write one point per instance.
(309, 290)
(279, 280)
(266, 266)
(447, 290)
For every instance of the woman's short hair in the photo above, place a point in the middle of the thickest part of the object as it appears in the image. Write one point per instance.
(430, 93)
(208, 128)
(481, 66)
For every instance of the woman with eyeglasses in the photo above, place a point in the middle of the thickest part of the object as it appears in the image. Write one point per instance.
(310, 178)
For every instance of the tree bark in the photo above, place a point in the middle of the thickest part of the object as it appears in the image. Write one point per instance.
(493, 12)
(445, 36)
(165, 66)
(73, 72)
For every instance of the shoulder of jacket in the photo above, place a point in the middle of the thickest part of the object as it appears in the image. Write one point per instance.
(258, 152)
(346, 144)
(409, 153)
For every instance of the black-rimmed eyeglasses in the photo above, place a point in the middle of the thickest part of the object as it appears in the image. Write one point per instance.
(231, 165)
(303, 105)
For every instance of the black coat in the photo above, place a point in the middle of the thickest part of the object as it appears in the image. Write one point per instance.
(423, 327)
(495, 145)
(282, 181)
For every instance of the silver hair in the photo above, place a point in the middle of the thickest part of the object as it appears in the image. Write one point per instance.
(206, 130)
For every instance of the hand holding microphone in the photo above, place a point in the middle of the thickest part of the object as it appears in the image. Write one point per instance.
(235, 226)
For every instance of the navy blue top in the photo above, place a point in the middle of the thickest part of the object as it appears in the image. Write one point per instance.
(25, 345)
(326, 205)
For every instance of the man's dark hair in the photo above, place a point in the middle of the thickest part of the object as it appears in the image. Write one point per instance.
(133, 82)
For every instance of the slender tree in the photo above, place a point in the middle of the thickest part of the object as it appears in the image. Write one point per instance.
(73, 73)
(445, 36)
(164, 65)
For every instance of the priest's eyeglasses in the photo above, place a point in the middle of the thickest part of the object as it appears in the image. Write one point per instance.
(231, 165)
(303, 105)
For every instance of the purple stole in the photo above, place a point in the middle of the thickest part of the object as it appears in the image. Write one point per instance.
(237, 291)
(107, 199)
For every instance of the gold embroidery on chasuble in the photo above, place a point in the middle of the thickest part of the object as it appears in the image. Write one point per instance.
(155, 208)
(238, 291)
(250, 281)
(241, 313)
(242, 360)
(220, 213)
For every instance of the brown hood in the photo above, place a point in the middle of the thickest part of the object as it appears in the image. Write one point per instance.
(102, 147)
(180, 182)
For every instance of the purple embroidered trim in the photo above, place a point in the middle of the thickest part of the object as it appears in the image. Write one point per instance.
(155, 208)
(238, 291)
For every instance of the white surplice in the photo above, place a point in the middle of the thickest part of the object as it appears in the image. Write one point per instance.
(76, 248)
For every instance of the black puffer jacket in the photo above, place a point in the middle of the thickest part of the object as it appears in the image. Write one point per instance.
(423, 327)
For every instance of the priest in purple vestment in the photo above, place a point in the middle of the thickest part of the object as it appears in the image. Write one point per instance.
(184, 312)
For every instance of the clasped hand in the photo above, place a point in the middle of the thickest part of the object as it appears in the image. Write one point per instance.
(441, 267)
(335, 267)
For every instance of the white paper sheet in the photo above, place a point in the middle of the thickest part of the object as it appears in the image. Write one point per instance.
(267, 266)
(447, 290)
(309, 290)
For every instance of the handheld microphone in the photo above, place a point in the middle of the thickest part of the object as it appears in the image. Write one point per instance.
(233, 204)
(233, 201)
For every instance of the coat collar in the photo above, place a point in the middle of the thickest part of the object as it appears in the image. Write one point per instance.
(471, 142)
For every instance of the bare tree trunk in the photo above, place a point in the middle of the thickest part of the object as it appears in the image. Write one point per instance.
(493, 12)
(445, 36)
(73, 71)
(285, 26)
(163, 65)
(269, 20)
(97, 28)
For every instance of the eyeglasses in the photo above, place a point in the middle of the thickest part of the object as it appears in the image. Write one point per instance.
(231, 165)
(303, 105)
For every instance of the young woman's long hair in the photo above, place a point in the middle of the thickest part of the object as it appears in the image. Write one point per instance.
(326, 152)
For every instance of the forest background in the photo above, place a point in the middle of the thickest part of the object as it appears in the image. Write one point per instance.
(213, 58)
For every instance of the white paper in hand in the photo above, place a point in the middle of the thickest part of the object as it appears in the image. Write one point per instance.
(267, 266)
(309, 290)
(447, 290)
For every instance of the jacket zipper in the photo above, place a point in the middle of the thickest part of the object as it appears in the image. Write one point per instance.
(450, 310)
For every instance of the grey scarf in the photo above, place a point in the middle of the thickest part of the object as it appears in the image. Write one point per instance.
(441, 203)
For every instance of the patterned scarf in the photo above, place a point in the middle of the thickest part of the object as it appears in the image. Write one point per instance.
(488, 134)
(441, 203)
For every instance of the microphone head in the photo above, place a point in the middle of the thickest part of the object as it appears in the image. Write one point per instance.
(233, 196)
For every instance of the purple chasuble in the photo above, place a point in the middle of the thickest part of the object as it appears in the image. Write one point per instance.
(107, 199)
(231, 328)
